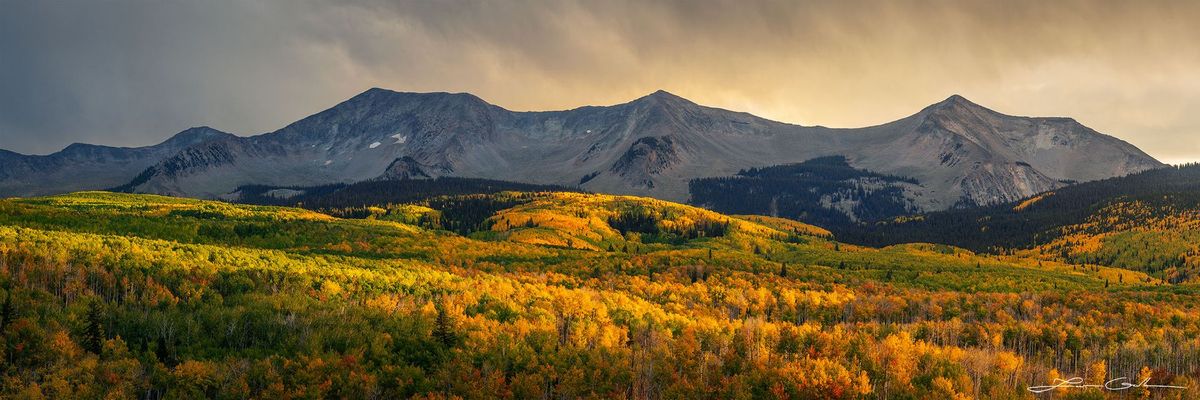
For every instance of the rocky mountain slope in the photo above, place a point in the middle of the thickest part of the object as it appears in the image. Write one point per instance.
(959, 152)
(88, 167)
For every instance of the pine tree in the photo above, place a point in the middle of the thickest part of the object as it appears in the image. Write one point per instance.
(6, 312)
(93, 336)
(163, 354)
(442, 329)
(783, 270)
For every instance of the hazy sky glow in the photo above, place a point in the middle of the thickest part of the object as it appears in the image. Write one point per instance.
(133, 73)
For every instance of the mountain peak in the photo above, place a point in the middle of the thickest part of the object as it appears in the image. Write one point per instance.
(371, 93)
(78, 146)
(662, 97)
(956, 104)
(386, 96)
(958, 101)
(662, 94)
(195, 135)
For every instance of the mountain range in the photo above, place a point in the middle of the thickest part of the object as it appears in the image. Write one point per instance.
(86, 166)
(952, 153)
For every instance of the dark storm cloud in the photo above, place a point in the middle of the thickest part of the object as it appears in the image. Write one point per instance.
(131, 73)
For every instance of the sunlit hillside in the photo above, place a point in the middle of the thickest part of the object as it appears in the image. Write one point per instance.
(545, 295)
(1160, 238)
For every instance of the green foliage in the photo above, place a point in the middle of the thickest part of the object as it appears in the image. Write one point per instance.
(648, 223)
(93, 335)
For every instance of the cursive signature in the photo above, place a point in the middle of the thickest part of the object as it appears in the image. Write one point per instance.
(1115, 384)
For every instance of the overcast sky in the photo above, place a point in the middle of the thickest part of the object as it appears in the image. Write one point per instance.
(135, 72)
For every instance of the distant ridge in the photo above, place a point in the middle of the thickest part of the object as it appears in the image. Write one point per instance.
(87, 166)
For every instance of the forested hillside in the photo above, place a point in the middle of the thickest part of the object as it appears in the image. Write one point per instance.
(379, 192)
(558, 295)
(825, 191)
(1148, 222)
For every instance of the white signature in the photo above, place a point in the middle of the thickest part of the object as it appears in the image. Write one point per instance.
(1115, 384)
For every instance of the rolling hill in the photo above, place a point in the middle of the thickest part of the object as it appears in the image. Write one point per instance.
(553, 294)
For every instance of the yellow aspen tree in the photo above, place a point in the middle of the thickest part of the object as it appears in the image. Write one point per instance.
(1144, 376)
(1097, 373)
